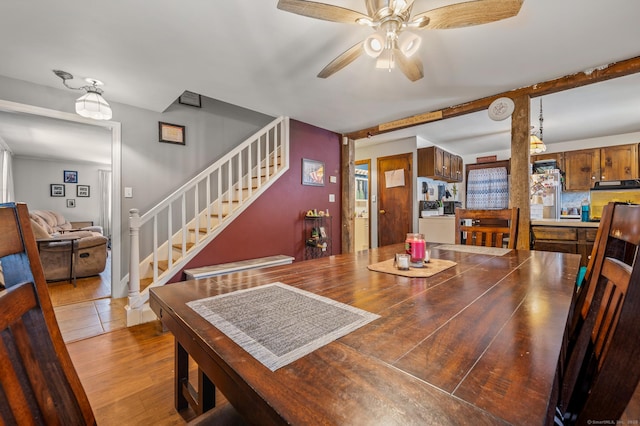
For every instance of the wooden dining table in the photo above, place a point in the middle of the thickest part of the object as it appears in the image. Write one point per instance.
(476, 343)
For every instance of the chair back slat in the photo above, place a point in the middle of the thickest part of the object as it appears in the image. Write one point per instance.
(489, 228)
(39, 382)
(601, 358)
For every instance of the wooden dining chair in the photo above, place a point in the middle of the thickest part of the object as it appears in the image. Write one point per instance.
(39, 382)
(601, 372)
(489, 228)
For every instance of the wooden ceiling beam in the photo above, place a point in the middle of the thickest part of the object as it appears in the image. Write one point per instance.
(583, 78)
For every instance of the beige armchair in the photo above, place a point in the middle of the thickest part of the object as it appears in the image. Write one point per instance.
(58, 241)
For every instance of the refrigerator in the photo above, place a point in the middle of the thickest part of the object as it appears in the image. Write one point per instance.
(546, 194)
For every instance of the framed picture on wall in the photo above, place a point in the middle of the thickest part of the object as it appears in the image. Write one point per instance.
(70, 176)
(82, 190)
(171, 133)
(312, 172)
(57, 190)
(71, 203)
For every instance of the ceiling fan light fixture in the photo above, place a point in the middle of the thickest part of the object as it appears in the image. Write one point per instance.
(410, 43)
(374, 45)
(365, 21)
(386, 60)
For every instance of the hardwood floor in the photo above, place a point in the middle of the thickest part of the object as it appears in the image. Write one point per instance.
(87, 309)
(128, 376)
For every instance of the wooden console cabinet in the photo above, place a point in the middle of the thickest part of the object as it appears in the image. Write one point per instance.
(565, 239)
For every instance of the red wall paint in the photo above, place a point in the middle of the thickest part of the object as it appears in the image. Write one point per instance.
(274, 223)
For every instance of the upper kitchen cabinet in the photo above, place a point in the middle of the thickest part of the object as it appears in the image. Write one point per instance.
(585, 167)
(582, 169)
(557, 156)
(438, 164)
(619, 162)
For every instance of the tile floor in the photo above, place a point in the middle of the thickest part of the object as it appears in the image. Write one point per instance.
(91, 318)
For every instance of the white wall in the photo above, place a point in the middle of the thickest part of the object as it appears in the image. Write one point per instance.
(33, 177)
(151, 168)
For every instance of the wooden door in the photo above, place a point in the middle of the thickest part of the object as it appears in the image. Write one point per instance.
(395, 195)
(619, 162)
(582, 169)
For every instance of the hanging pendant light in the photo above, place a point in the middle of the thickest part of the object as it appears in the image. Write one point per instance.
(91, 104)
(536, 144)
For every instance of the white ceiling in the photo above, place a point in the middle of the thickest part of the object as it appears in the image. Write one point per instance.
(249, 53)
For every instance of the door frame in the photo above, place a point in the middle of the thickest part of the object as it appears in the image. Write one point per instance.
(117, 290)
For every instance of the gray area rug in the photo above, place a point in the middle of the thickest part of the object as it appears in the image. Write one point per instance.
(494, 251)
(278, 324)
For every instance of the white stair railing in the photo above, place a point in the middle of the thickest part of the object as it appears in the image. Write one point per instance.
(200, 210)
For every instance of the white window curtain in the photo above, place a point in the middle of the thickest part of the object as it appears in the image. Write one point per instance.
(104, 194)
(7, 193)
(488, 189)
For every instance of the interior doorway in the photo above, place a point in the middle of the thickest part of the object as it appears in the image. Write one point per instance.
(362, 239)
(117, 289)
(395, 195)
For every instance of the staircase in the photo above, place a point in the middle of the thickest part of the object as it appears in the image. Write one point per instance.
(172, 233)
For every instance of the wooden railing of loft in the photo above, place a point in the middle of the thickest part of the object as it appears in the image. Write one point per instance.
(203, 207)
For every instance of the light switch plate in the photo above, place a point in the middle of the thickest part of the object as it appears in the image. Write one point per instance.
(332, 198)
(128, 192)
(333, 179)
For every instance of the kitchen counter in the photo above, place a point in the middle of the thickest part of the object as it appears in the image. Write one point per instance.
(565, 235)
(573, 223)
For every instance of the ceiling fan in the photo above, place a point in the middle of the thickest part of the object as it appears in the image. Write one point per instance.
(390, 18)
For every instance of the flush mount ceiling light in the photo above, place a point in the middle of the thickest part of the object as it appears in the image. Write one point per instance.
(390, 45)
(536, 145)
(91, 104)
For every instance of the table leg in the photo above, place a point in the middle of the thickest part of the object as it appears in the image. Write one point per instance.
(201, 399)
(181, 368)
(72, 269)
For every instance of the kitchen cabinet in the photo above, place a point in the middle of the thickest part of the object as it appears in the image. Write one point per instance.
(581, 169)
(619, 162)
(438, 164)
(362, 233)
(586, 166)
(565, 239)
(557, 156)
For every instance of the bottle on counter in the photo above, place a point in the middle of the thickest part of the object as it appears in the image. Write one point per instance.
(584, 212)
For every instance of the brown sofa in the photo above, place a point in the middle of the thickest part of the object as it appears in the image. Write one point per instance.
(55, 235)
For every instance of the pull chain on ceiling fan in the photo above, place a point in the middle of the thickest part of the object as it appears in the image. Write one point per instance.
(390, 44)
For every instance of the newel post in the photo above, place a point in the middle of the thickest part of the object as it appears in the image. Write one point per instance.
(134, 257)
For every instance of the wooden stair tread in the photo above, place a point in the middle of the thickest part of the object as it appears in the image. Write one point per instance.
(179, 246)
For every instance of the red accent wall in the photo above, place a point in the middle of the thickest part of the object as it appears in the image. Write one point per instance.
(274, 223)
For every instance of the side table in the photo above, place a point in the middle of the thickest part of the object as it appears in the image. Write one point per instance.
(72, 264)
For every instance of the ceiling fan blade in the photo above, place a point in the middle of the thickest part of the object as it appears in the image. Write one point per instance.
(323, 11)
(344, 59)
(470, 13)
(410, 66)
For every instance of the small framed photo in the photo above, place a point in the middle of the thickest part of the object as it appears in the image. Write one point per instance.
(191, 99)
(312, 172)
(57, 190)
(323, 232)
(82, 191)
(171, 133)
(70, 176)
(71, 203)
